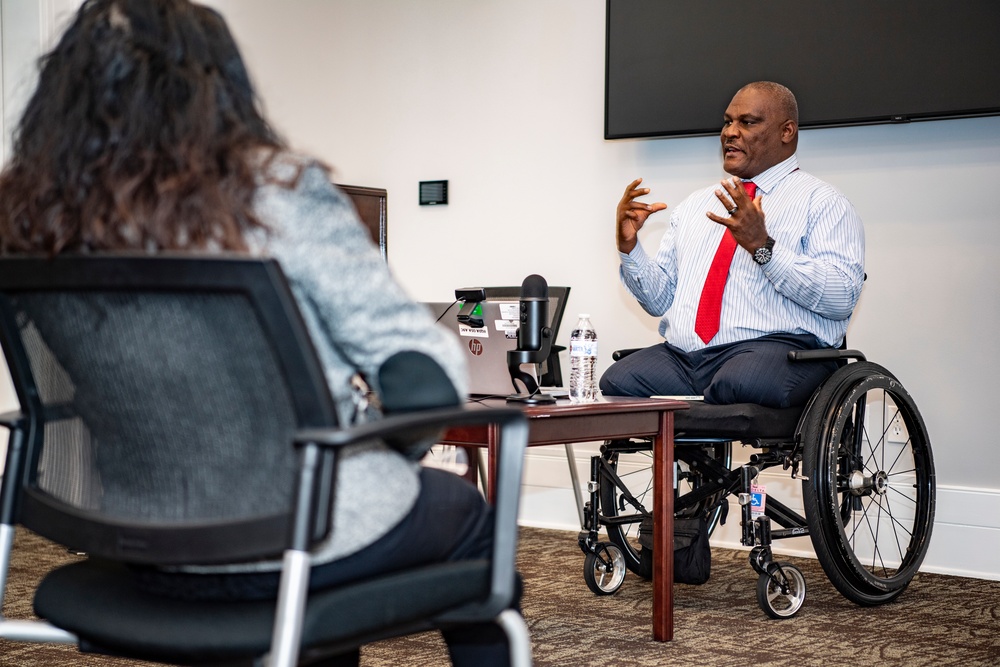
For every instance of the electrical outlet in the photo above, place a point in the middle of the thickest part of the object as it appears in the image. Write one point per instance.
(897, 430)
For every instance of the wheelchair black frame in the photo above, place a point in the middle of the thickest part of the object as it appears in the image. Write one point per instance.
(832, 441)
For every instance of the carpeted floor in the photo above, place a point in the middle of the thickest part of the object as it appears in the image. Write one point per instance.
(938, 621)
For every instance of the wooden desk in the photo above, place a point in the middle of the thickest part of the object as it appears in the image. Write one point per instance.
(610, 418)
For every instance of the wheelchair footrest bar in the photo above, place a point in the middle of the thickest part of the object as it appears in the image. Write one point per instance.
(620, 520)
(784, 533)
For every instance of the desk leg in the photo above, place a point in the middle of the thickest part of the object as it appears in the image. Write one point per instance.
(492, 442)
(663, 530)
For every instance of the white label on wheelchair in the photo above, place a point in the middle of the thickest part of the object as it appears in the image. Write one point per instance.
(758, 499)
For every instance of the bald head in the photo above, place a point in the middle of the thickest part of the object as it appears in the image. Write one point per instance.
(782, 97)
(760, 128)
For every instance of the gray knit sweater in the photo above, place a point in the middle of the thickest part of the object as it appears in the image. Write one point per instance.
(358, 316)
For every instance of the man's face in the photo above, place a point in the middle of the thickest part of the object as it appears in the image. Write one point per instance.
(755, 134)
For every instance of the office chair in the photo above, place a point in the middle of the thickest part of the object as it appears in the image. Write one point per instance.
(173, 411)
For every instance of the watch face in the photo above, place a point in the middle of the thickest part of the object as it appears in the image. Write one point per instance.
(762, 255)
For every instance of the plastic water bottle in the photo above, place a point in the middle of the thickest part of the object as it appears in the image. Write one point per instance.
(583, 362)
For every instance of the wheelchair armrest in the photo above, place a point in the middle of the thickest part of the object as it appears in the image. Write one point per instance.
(793, 355)
(825, 355)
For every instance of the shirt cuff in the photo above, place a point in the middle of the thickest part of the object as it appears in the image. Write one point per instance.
(633, 262)
(781, 262)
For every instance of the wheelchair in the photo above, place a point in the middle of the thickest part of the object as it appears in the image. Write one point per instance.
(860, 449)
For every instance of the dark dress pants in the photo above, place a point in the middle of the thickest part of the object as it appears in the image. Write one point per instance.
(753, 371)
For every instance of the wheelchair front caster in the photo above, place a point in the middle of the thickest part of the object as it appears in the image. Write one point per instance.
(604, 569)
(781, 590)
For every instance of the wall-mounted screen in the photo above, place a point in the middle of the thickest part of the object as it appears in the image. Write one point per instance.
(673, 65)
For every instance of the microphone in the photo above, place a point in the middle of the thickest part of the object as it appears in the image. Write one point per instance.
(534, 313)
(534, 339)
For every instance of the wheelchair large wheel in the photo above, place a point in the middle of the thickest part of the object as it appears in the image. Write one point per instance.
(634, 465)
(869, 496)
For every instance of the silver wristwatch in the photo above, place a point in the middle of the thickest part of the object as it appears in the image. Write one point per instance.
(762, 255)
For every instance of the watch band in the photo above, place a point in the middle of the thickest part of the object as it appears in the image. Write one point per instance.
(762, 255)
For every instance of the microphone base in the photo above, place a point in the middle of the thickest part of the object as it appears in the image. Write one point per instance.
(531, 399)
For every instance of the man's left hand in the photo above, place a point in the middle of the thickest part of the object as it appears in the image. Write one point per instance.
(745, 219)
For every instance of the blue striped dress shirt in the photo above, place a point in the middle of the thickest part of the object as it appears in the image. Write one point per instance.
(810, 285)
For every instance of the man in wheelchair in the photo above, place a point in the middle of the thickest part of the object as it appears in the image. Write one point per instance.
(755, 281)
(793, 249)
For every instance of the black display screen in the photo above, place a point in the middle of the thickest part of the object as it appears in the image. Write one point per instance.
(673, 65)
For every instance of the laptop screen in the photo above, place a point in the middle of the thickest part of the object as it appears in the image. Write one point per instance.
(490, 331)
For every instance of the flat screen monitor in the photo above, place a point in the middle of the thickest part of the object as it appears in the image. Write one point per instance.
(673, 65)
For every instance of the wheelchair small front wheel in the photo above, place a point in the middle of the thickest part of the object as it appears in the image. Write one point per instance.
(781, 591)
(604, 569)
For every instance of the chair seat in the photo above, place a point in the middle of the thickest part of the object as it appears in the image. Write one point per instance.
(740, 421)
(100, 603)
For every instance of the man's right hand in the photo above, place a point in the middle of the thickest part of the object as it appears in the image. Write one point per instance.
(632, 215)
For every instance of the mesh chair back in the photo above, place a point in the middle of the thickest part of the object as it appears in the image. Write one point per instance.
(163, 395)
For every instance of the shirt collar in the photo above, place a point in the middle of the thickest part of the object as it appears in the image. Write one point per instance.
(767, 179)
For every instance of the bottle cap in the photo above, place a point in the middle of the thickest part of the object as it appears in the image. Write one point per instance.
(584, 316)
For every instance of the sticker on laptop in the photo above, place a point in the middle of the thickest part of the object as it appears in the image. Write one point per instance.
(507, 327)
(510, 310)
(466, 330)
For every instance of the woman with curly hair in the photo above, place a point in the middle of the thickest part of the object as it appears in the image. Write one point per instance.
(144, 135)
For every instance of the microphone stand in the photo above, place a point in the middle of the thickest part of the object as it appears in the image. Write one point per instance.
(532, 395)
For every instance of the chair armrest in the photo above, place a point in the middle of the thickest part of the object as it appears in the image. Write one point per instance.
(507, 493)
(419, 423)
(12, 419)
(10, 478)
(513, 440)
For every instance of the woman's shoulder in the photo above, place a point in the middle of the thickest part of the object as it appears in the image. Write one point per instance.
(296, 200)
(289, 181)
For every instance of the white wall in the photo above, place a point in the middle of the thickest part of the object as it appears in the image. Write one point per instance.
(504, 98)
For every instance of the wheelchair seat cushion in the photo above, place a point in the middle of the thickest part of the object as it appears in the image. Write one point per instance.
(739, 421)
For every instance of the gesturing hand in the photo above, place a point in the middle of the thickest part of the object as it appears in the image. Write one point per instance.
(745, 219)
(632, 214)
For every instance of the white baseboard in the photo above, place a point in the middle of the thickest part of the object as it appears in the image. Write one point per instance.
(964, 542)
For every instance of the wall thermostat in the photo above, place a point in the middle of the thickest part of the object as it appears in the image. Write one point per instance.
(433, 192)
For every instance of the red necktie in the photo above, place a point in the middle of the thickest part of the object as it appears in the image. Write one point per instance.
(706, 323)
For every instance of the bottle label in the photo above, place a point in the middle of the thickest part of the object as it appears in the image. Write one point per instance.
(583, 348)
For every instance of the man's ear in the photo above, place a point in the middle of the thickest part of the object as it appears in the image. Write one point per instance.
(789, 132)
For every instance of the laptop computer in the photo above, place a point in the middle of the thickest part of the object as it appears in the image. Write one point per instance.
(489, 331)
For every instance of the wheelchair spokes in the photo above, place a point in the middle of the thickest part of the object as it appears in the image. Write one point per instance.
(868, 493)
(879, 479)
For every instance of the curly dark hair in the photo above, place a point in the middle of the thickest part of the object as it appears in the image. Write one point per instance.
(144, 133)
